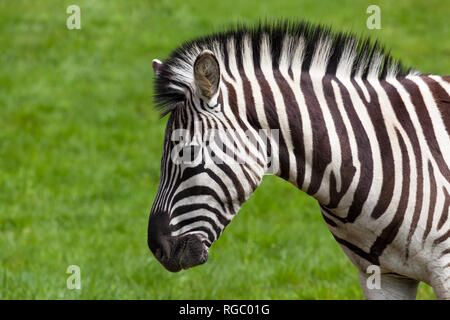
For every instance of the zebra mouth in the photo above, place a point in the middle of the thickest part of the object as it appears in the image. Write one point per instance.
(193, 252)
(175, 252)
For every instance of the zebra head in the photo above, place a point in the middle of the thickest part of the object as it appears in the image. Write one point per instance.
(212, 162)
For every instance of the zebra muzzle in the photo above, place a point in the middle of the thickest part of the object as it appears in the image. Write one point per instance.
(181, 252)
(193, 253)
(175, 252)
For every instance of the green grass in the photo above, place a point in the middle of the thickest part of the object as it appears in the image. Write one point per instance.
(80, 148)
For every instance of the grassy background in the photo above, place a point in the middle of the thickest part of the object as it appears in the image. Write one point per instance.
(80, 146)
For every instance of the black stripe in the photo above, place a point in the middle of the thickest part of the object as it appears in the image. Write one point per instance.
(387, 160)
(390, 232)
(294, 124)
(364, 156)
(321, 151)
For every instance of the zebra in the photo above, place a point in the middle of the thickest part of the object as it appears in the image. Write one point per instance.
(364, 135)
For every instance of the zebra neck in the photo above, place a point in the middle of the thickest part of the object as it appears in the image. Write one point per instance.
(327, 127)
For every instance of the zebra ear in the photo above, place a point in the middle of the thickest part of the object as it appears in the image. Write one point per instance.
(156, 64)
(206, 74)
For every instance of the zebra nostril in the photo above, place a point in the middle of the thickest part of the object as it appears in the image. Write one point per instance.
(158, 241)
(162, 251)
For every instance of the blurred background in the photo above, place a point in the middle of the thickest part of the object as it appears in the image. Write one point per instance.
(80, 148)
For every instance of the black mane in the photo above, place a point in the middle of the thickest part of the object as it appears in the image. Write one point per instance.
(175, 74)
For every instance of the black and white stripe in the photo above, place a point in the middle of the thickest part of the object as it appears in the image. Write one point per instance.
(366, 137)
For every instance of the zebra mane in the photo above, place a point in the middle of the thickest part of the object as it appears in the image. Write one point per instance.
(314, 48)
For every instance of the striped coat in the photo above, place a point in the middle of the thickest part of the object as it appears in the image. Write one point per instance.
(341, 120)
